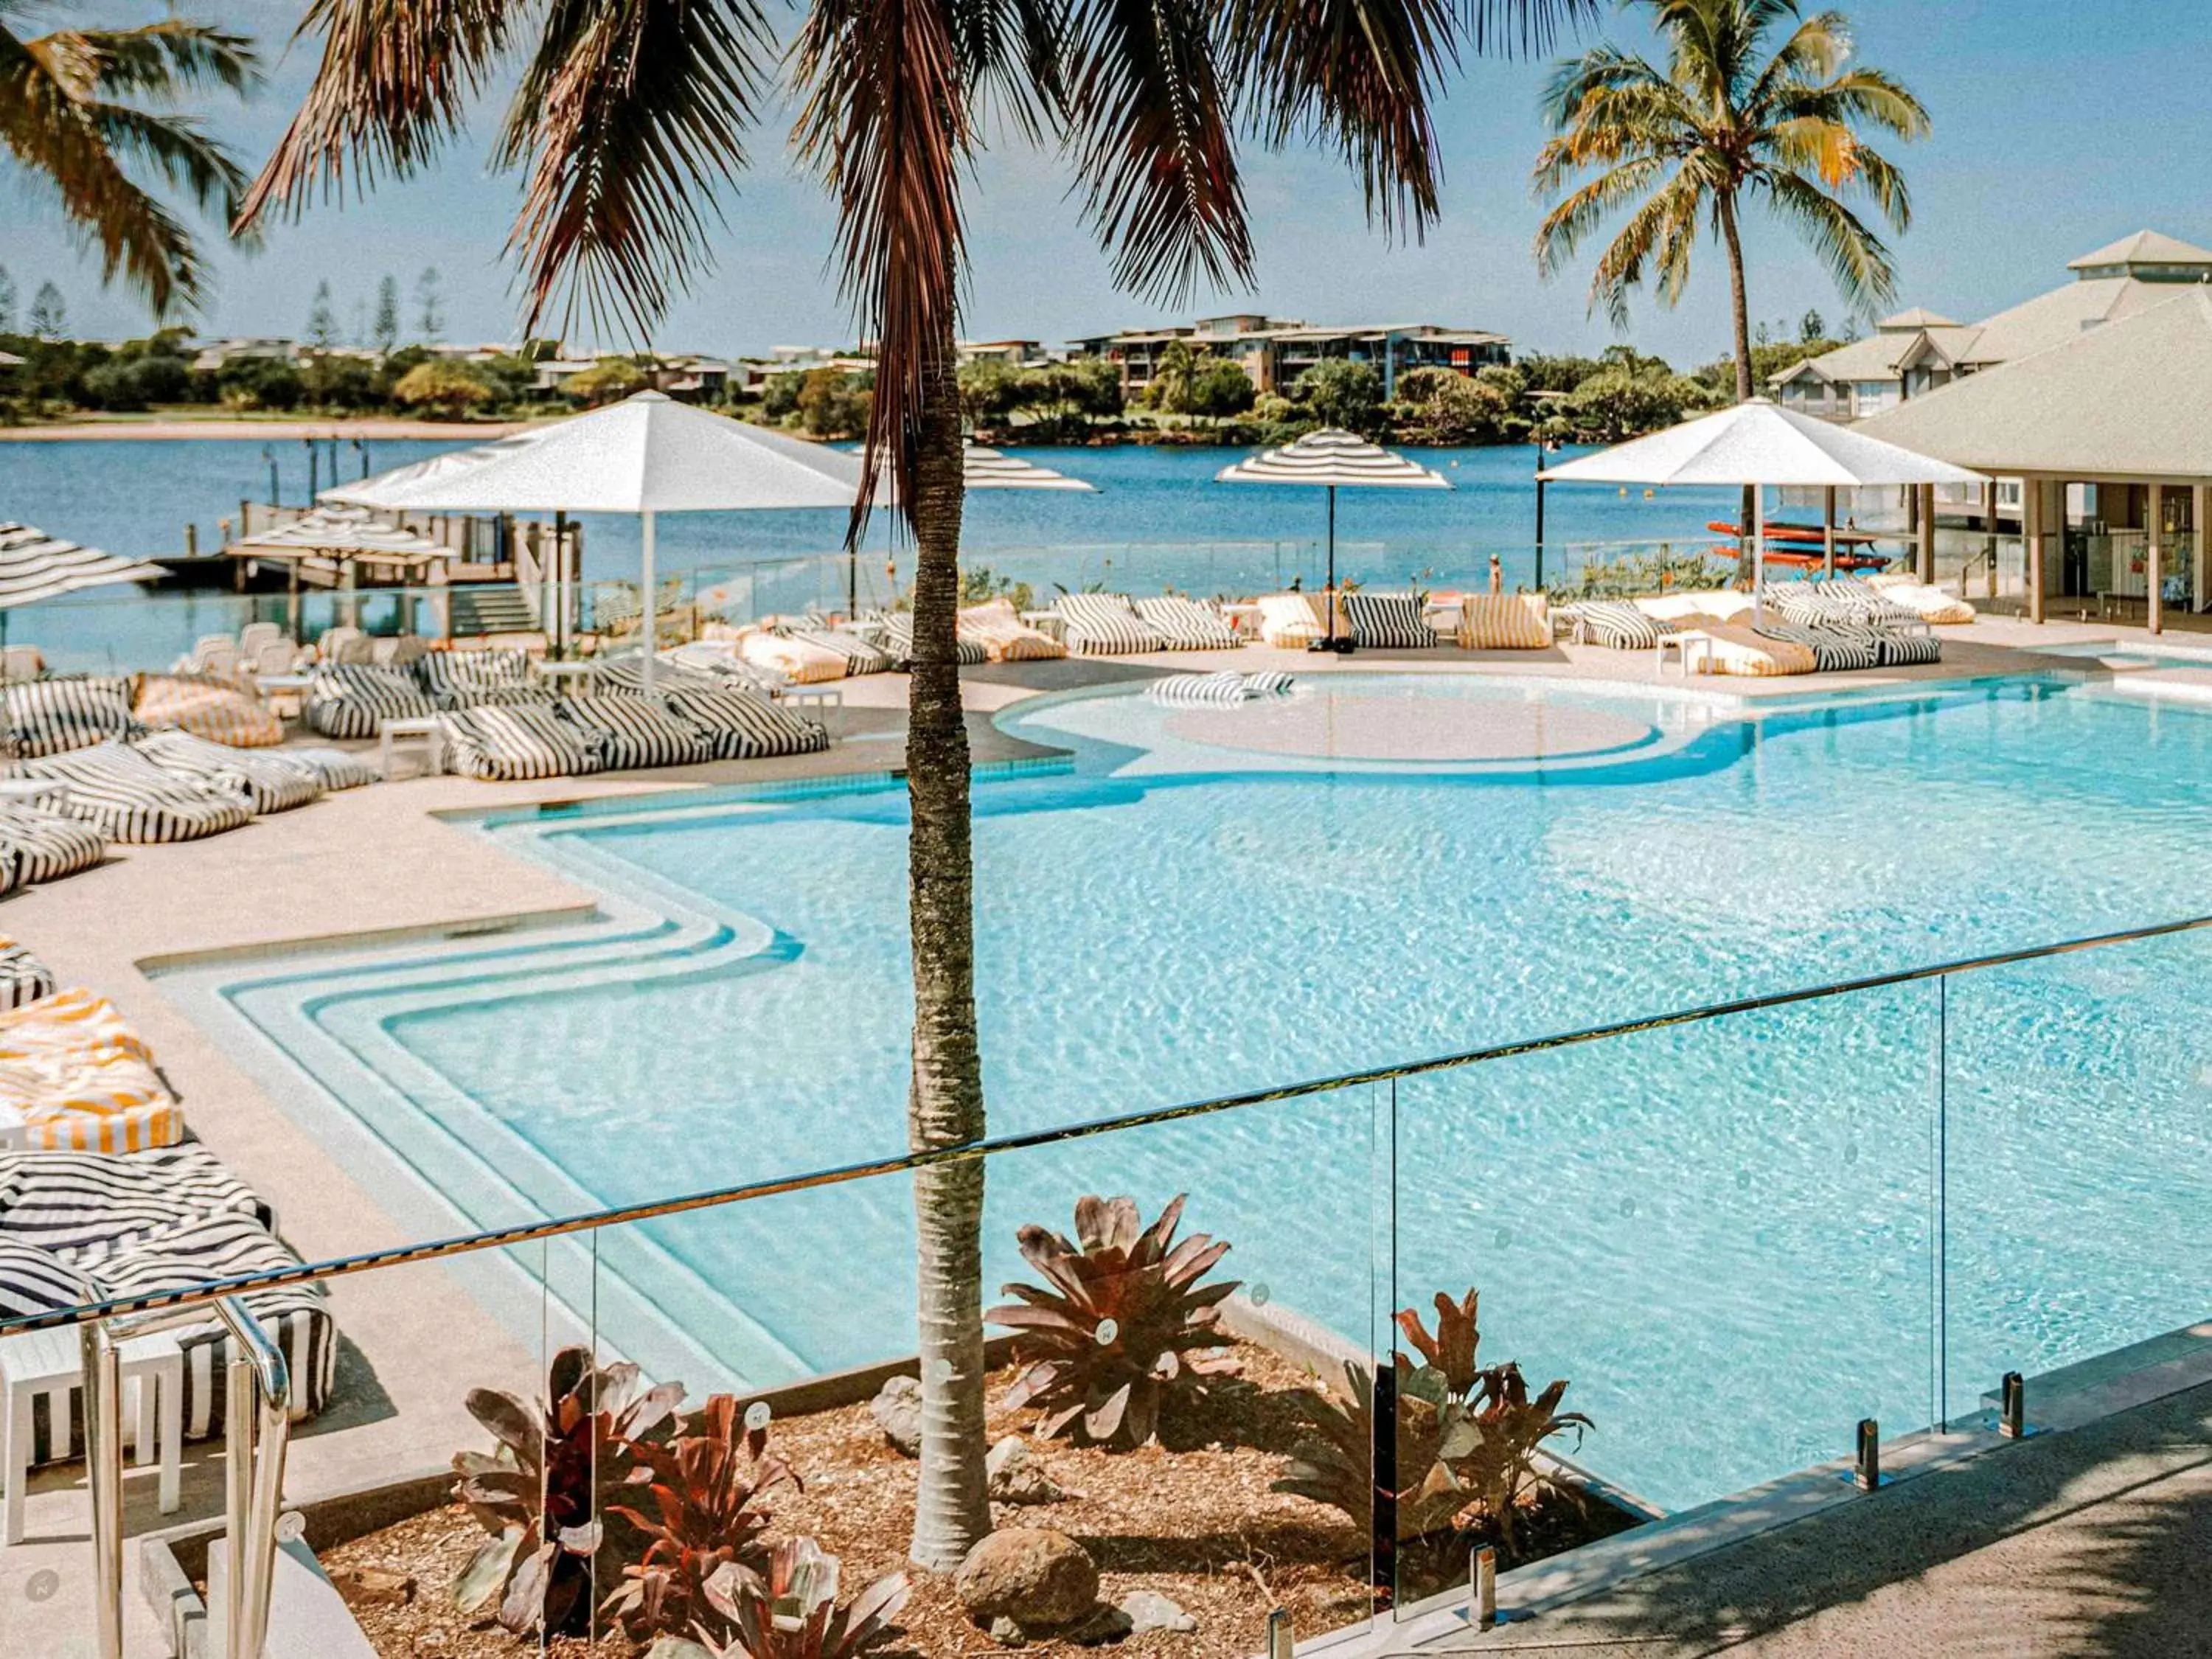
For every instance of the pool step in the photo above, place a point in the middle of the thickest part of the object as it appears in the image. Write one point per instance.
(308, 1618)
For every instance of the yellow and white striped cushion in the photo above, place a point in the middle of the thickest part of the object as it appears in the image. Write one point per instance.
(1005, 637)
(1504, 622)
(207, 707)
(1289, 620)
(801, 660)
(1734, 649)
(78, 1077)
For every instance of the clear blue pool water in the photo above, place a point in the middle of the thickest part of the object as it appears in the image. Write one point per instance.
(1726, 1234)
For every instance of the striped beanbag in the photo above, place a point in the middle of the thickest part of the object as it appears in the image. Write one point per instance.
(1834, 649)
(216, 709)
(1388, 622)
(1503, 622)
(78, 1077)
(624, 675)
(1105, 625)
(798, 660)
(1184, 624)
(51, 717)
(116, 788)
(1616, 625)
(1226, 686)
(636, 731)
(860, 658)
(37, 845)
(478, 679)
(512, 744)
(34, 1282)
(274, 783)
(742, 725)
(1004, 636)
(898, 631)
(84, 1207)
(333, 768)
(353, 699)
(23, 978)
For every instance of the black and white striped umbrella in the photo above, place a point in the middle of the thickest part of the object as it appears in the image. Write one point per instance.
(36, 566)
(1337, 460)
(989, 468)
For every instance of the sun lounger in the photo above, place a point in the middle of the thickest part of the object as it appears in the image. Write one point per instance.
(480, 679)
(1184, 624)
(85, 1206)
(623, 675)
(1615, 624)
(353, 700)
(717, 662)
(1834, 649)
(129, 799)
(1731, 647)
(1105, 625)
(1721, 603)
(272, 780)
(37, 844)
(895, 631)
(206, 706)
(51, 717)
(860, 658)
(75, 1077)
(1387, 621)
(1504, 622)
(1931, 603)
(1226, 686)
(333, 768)
(1004, 636)
(513, 744)
(1289, 622)
(745, 725)
(798, 660)
(23, 978)
(631, 732)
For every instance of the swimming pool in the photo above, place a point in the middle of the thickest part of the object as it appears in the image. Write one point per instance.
(1736, 1238)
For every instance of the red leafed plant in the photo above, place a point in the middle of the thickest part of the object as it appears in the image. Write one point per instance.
(791, 1613)
(706, 1487)
(1112, 1336)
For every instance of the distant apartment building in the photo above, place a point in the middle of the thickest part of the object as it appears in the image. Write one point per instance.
(1917, 351)
(1015, 354)
(1275, 350)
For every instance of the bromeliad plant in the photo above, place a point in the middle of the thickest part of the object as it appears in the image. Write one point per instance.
(706, 1488)
(1112, 1337)
(1467, 1434)
(543, 1495)
(791, 1613)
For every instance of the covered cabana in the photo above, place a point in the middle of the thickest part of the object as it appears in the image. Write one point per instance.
(2126, 408)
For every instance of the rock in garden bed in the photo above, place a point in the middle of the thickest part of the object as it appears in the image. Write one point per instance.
(1190, 1547)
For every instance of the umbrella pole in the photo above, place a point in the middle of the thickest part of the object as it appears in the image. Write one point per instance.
(852, 581)
(1328, 589)
(1828, 535)
(1758, 548)
(651, 621)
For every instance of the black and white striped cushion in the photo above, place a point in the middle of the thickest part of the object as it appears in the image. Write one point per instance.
(1900, 649)
(637, 731)
(1268, 683)
(353, 699)
(272, 783)
(897, 632)
(332, 768)
(510, 744)
(744, 726)
(35, 1281)
(129, 799)
(1184, 624)
(43, 846)
(860, 658)
(1617, 625)
(85, 1206)
(478, 679)
(1835, 650)
(1105, 625)
(1388, 622)
(1226, 687)
(51, 717)
(23, 976)
(624, 675)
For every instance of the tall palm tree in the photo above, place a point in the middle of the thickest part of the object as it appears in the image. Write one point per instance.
(82, 110)
(629, 116)
(1725, 124)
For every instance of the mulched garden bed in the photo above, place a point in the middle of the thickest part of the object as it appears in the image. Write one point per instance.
(1191, 1519)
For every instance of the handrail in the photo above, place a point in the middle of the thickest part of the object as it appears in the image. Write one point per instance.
(713, 1197)
(259, 1386)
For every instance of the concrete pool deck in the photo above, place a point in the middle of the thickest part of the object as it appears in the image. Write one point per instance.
(380, 861)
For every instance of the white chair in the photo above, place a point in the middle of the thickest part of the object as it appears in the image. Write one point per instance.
(53, 1363)
(255, 635)
(22, 662)
(274, 656)
(334, 641)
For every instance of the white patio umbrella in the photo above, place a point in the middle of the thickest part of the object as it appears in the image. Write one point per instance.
(384, 489)
(991, 469)
(647, 455)
(1758, 443)
(36, 566)
(1335, 460)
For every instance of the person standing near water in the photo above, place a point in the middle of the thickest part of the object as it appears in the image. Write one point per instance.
(1497, 575)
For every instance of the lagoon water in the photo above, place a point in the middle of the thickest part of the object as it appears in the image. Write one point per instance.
(1157, 518)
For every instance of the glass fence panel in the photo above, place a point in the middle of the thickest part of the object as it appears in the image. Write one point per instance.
(1159, 1418)
(1718, 1235)
(2076, 1094)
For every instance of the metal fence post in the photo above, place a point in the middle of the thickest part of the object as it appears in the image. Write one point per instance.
(103, 1456)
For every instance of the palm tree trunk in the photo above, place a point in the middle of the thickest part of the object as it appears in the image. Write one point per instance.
(944, 1101)
(1740, 307)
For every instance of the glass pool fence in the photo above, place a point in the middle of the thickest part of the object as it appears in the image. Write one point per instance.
(1850, 1211)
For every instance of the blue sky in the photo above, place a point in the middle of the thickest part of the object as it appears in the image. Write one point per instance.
(2057, 126)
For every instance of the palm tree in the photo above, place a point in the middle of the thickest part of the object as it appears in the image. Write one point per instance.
(80, 110)
(1722, 124)
(628, 118)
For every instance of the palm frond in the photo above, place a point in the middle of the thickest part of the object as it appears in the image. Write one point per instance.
(885, 123)
(1356, 74)
(1152, 142)
(1012, 54)
(630, 118)
(1569, 224)
(1857, 260)
(1526, 28)
(1816, 50)
(1862, 96)
(172, 57)
(393, 81)
(1655, 232)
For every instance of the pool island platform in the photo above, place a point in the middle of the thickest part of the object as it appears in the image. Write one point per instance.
(386, 862)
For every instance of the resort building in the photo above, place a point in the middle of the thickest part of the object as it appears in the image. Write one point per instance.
(1015, 354)
(1919, 349)
(1274, 351)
